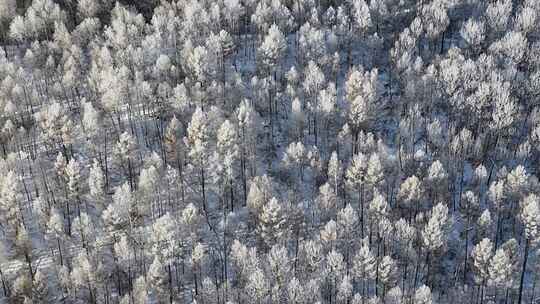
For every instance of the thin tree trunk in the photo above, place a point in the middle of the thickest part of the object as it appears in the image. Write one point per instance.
(4, 286)
(466, 251)
(203, 186)
(523, 269)
(60, 251)
(532, 291)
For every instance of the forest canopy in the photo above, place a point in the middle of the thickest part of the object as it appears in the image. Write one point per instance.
(270, 151)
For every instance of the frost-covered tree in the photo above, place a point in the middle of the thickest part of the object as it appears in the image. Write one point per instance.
(345, 289)
(469, 206)
(39, 20)
(201, 65)
(261, 190)
(247, 122)
(422, 295)
(364, 266)
(295, 291)
(166, 244)
(91, 121)
(411, 192)
(328, 108)
(387, 273)
(96, 184)
(156, 279)
(500, 269)
(90, 8)
(7, 13)
(279, 263)
(56, 124)
(312, 44)
(326, 200)
(296, 159)
(436, 20)
(356, 179)
(272, 222)
(362, 95)
(437, 179)
(335, 171)
(198, 141)
(83, 275)
(149, 179)
(122, 211)
(257, 286)
(55, 230)
(272, 49)
(530, 216)
(73, 176)
(347, 219)
(84, 230)
(434, 234)
(484, 223)
(227, 156)
(473, 32)
(124, 153)
(498, 15)
(481, 257)
(313, 82)
(334, 269)
(10, 197)
(173, 144)
(140, 291)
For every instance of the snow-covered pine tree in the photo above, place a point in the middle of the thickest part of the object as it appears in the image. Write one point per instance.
(272, 223)
(530, 217)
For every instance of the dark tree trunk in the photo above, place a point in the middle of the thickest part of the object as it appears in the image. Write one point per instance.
(523, 269)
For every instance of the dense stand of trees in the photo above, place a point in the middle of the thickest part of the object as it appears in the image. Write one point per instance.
(273, 151)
